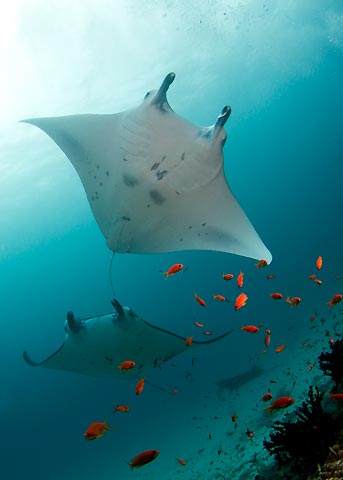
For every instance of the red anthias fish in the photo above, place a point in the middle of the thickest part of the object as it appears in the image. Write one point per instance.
(280, 403)
(143, 458)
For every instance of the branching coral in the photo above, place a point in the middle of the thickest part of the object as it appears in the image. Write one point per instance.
(331, 363)
(299, 446)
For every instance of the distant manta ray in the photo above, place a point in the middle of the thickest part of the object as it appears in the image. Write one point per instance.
(96, 346)
(155, 182)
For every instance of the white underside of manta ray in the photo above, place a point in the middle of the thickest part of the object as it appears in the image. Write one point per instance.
(155, 182)
(96, 346)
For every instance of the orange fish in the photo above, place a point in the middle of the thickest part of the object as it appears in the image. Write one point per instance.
(280, 348)
(319, 262)
(173, 269)
(250, 329)
(188, 341)
(335, 299)
(140, 386)
(276, 296)
(266, 397)
(181, 461)
(295, 301)
(312, 277)
(200, 300)
(143, 458)
(241, 300)
(221, 298)
(126, 365)
(234, 418)
(318, 282)
(261, 264)
(121, 408)
(240, 280)
(96, 430)
(198, 324)
(227, 276)
(280, 403)
(267, 338)
(271, 277)
(288, 300)
(313, 317)
(336, 396)
(208, 332)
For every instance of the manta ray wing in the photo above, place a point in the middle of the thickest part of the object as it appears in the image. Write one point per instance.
(155, 182)
(96, 346)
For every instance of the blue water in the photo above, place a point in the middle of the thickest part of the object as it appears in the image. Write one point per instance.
(279, 65)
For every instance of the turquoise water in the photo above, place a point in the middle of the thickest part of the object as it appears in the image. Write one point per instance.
(279, 65)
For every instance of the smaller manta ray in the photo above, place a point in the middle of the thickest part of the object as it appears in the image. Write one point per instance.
(95, 346)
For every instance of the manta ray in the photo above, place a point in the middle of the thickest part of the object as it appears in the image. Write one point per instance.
(154, 181)
(96, 346)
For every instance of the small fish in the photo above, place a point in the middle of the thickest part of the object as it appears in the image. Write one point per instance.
(200, 300)
(288, 300)
(280, 348)
(250, 433)
(313, 317)
(266, 397)
(181, 461)
(96, 430)
(198, 324)
(240, 279)
(276, 296)
(267, 338)
(234, 418)
(143, 458)
(318, 282)
(227, 276)
(173, 269)
(121, 408)
(250, 329)
(126, 365)
(335, 299)
(312, 277)
(221, 298)
(337, 277)
(319, 262)
(280, 403)
(208, 332)
(188, 341)
(336, 396)
(140, 386)
(271, 277)
(241, 300)
(261, 263)
(295, 301)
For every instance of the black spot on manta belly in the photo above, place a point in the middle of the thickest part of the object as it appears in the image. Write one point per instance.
(160, 175)
(157, 198)
(155, 166)
(129, 180)
(124, 217)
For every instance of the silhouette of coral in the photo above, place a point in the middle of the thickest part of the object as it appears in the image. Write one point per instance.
(331, 363)
(300, 446)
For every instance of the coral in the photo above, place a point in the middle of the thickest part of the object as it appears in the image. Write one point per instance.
(300, 446)
(331, 363)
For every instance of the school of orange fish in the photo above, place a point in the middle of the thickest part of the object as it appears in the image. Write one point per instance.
(97, 430)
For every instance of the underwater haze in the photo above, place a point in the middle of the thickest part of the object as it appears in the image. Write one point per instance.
(279, 65)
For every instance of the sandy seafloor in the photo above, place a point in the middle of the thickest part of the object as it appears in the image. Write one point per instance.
(279, 65)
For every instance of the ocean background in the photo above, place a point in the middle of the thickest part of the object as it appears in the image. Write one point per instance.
(278, 63)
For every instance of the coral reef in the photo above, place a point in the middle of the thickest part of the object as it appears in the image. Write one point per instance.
(301, 445)
(331, 363)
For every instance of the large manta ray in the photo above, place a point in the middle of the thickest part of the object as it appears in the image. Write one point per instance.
(155, 182)
(96, 346)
